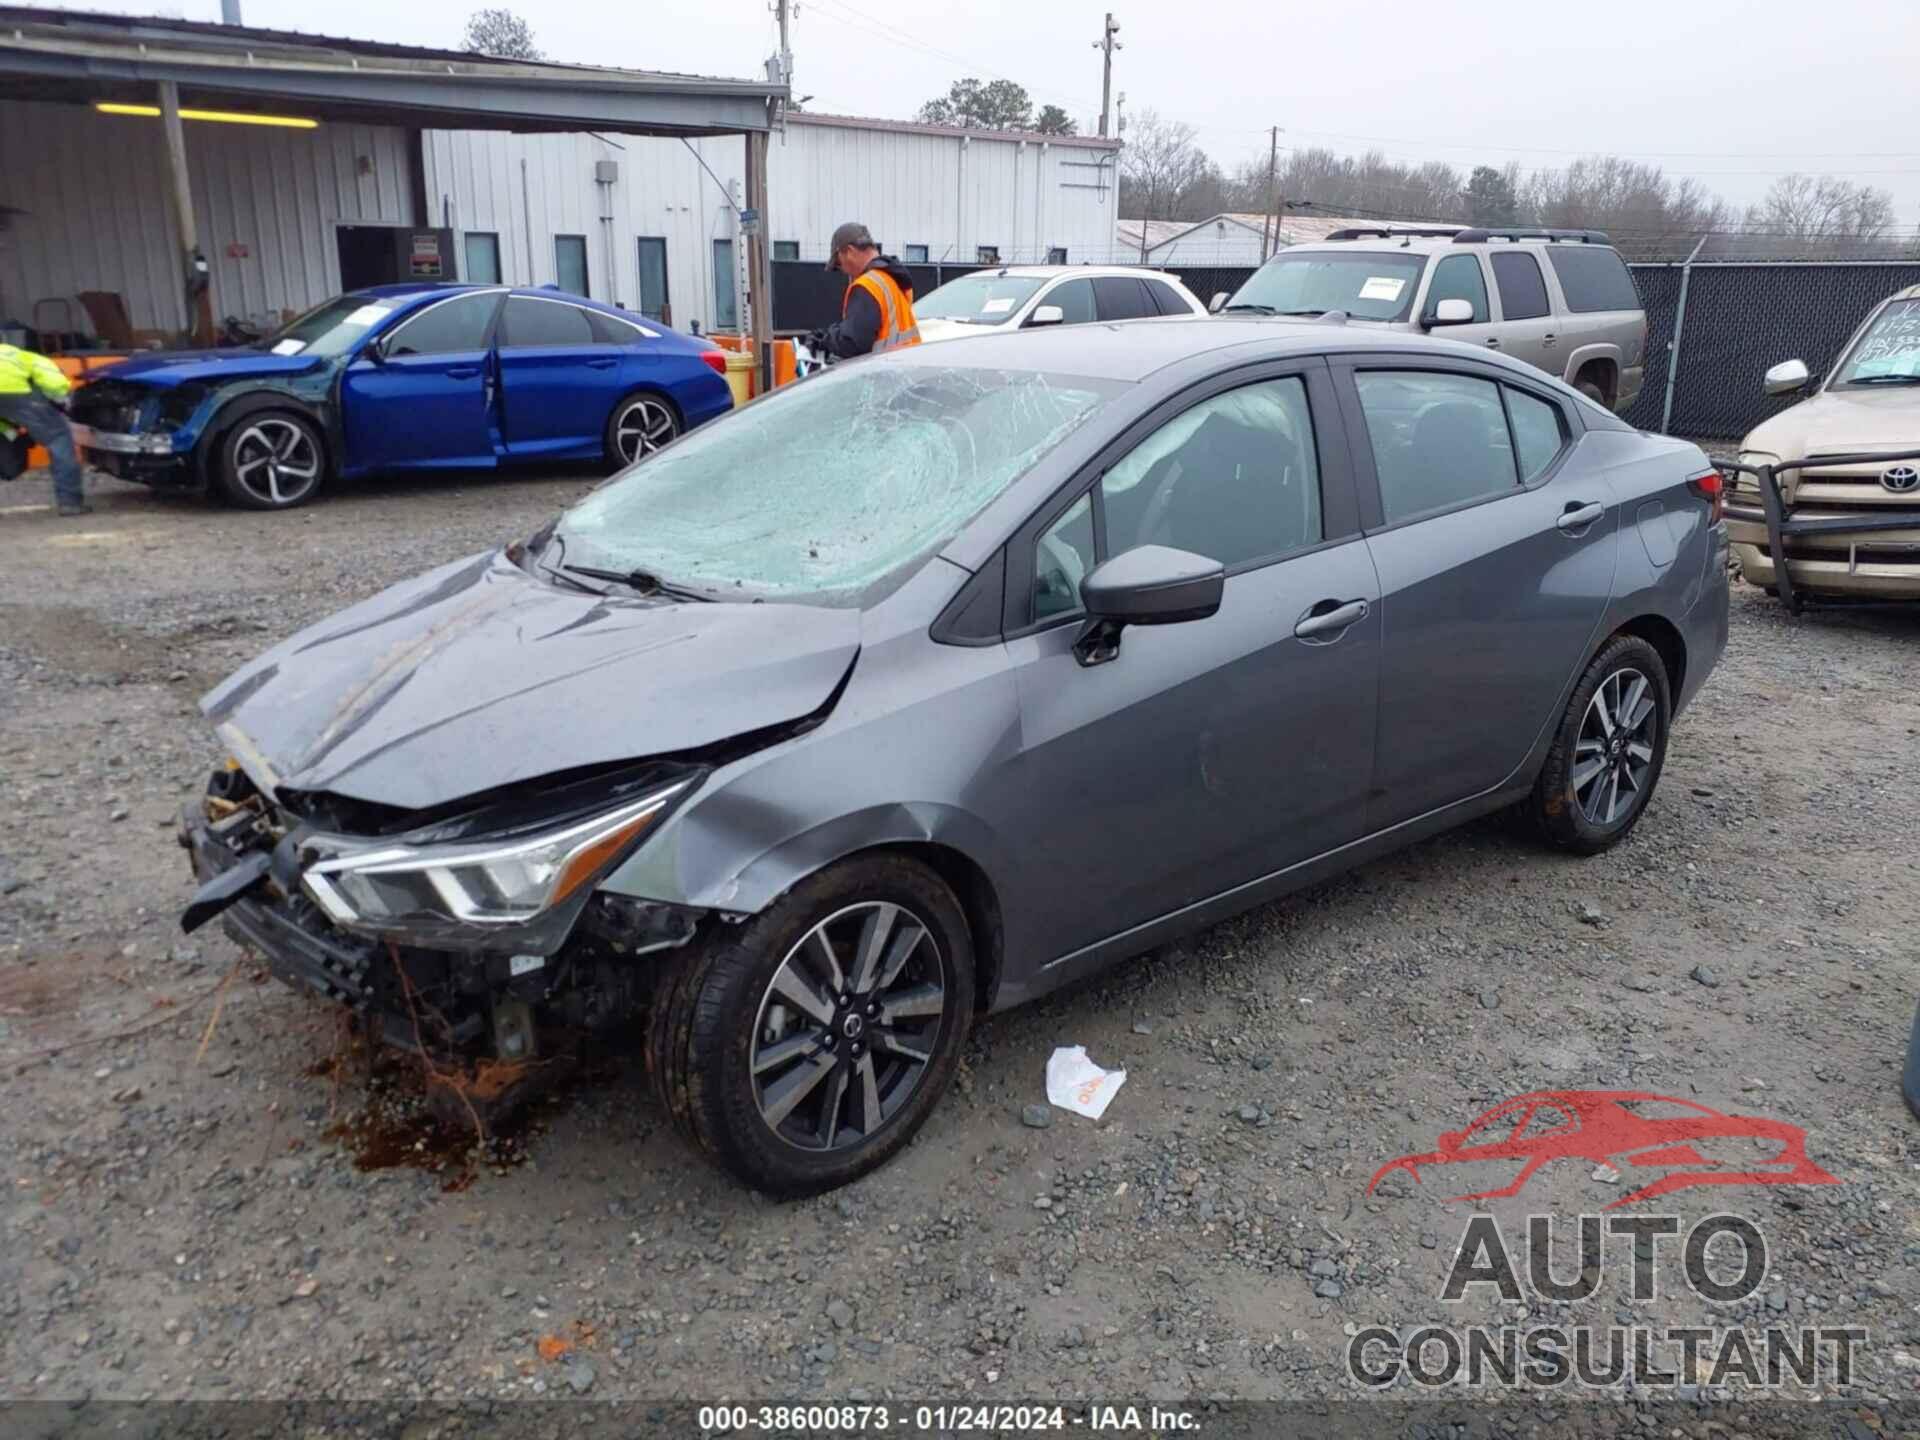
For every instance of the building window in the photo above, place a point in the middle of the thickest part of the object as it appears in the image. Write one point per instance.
(987, 254)
(570, 263)
(726, 305)
(786, 249)
(482, 264)
(653, 278)
(916, 255)
(1056, 254)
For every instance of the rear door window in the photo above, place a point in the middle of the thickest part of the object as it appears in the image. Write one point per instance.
(1458, 277)
(1593, 278)
(1122, 297)
(1538, 433)
(1523, 290)
(609, 331)
(1439, 440)
(530, 323)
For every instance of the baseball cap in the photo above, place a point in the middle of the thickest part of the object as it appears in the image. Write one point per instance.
(851, 233)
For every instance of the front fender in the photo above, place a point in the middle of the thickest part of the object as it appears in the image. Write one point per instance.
(230, 407)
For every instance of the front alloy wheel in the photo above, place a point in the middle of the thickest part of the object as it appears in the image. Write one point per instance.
(847, 1026)
(272, 462)
(805, 1046)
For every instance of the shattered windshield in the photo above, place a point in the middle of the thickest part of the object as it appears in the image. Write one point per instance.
(331, 328)
(830, 489)
(1890, 348)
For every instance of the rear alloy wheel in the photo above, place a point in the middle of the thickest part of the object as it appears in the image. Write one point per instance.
(271, 462)
(1609, 751)
(640, 425)
(804, 1048)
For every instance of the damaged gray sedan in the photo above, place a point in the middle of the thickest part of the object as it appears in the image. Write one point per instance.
(927, 685)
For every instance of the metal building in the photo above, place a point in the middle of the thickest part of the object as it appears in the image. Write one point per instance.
(651, 224)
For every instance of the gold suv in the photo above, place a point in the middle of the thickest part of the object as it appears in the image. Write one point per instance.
(1852, 454)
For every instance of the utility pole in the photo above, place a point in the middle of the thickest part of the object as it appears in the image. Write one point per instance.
(1271, 219)
(780, 8)
(1108, 44)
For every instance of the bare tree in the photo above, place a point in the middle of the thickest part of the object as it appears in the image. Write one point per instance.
(502, 34)
(1823, 207)
(1160, 167)
(1643, 210)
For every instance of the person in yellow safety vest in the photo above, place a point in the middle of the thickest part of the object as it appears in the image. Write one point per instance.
(29, 384)
(876, 313)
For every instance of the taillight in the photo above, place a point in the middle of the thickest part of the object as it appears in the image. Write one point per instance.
(716, 360)
(1712, 488)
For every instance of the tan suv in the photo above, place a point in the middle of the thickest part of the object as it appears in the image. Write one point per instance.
(1846, 466)
(1558, 299)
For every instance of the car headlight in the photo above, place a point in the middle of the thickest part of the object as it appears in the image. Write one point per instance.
(480, 883)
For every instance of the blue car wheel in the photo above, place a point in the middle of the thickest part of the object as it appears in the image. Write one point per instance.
(640, 425)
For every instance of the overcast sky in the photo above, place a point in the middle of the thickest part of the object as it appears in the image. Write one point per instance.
(1732, 92)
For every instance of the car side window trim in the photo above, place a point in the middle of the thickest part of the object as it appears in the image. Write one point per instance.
(1339, 511)
(1360, 440)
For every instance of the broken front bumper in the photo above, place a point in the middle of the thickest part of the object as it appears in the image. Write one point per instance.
(1807, 547)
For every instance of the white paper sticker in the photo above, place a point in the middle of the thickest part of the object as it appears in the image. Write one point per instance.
(525, 964)
(368, 315)
(1382, 287)
(1075, 1083)
(289, 347)
(997, 307)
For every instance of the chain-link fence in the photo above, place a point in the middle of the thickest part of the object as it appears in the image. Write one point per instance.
(1740, 318)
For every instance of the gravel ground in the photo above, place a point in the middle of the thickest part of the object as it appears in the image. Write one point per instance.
(178, 1223)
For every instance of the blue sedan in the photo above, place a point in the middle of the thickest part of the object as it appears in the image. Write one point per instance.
(402, 377)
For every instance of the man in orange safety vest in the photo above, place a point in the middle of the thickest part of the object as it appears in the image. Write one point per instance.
(876, 313)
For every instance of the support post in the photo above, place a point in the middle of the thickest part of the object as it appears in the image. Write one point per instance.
(194, 275)
(759, 266)
(1673, 347)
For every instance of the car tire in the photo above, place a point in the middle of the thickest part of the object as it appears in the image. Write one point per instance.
(798, 1098)
(1587, 810)
(271, 460)
(639, 425)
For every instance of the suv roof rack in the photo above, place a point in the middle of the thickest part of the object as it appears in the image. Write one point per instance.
(1527, 232)
(1389, 232)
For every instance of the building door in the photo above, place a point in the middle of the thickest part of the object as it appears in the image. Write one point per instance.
(726, 307)
(366, 256)
(653, 278)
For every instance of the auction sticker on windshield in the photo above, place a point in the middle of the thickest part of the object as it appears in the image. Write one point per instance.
(997, 307)
(368, 315)
(1382, 287)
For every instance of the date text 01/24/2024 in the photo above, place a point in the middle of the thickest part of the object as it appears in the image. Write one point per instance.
(940, 1419)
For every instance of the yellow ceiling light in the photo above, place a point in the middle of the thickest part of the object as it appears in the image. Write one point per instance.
(224, 117)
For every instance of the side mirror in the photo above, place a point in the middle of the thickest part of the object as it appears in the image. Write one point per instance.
(1047, 315)
(376, 350)
(1147, 585)
(1786, 377)
(1451, 312)
(1217, 303)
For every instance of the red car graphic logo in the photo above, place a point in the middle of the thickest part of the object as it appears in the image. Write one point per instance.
(1629, 1129)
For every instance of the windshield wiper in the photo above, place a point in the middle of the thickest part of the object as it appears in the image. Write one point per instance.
(1885, 380)
(645, 582)
(1248, 305)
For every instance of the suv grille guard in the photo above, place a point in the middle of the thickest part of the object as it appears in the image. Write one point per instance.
(1780, 526)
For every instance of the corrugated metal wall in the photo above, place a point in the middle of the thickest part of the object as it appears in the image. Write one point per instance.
(99, 217)
(909, 188)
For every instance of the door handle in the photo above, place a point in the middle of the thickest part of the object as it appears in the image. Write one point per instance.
(463, 372)
(1329, 619)
(1493, 342)
(1547, 339)
(1578, 516)
(602, 364)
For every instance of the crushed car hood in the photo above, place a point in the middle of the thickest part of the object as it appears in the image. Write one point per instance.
(478, 675)
(180, 367)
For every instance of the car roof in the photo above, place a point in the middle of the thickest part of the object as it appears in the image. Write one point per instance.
(1429, 245)
(1131, 350)
(405, 291)
(1047, 272)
